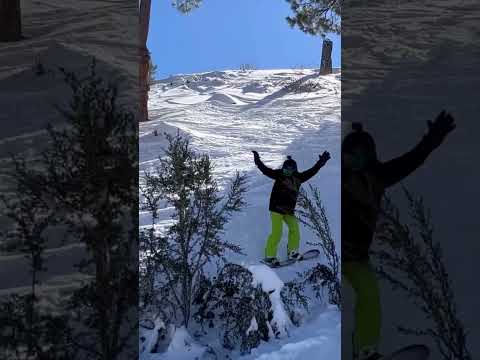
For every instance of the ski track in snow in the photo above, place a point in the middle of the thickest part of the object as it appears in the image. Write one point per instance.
(229, 113)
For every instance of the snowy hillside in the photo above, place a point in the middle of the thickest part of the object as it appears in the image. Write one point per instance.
(58, 33)
(228, 114)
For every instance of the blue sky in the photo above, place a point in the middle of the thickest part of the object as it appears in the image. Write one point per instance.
(223, 34)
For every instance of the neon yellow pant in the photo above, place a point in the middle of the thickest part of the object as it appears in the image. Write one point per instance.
(363, 280)
(276, 234)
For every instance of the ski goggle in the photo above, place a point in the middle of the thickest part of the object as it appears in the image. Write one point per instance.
(288, 171)
(357, 161)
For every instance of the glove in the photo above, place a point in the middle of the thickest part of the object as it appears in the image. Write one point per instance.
(440, 128)
(256, 157)
(324, 157)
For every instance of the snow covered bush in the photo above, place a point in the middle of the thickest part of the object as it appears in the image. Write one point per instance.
(313, 284)
(295, 300)
(174, 262)
(242, 310)
(301, 86)
(313, 215)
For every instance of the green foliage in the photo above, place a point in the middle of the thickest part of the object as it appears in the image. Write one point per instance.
(152, 71)
(313, 215)
(176, 259)
(185, 6)
(316, 17)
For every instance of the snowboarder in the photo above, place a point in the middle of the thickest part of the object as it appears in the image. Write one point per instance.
(283, 199)
(364, 181)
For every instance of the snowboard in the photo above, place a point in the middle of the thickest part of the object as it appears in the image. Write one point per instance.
(411, 352)
(310, 254)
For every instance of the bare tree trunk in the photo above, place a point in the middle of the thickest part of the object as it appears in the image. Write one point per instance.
(104, 297)
(145, 6)
(10, 20)
(326, 64)
(31, 313)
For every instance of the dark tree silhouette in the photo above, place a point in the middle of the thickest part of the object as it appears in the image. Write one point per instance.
(413, 262)
(144, 57)
(10, 20)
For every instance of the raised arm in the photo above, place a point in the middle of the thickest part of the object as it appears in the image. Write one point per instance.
(271, 173)
(397, 169)
(308, 174)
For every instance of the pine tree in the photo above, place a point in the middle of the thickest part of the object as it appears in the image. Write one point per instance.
(88, 182)
(93, 177)
(152, 72)
(316, 17)
(185, 181)
(185, 6)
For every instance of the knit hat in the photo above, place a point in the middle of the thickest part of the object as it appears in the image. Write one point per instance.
(289, 164)
(360, 138)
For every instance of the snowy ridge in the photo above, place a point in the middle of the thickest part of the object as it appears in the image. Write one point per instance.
(227, 114)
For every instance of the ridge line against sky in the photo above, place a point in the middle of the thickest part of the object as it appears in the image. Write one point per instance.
(224, 34)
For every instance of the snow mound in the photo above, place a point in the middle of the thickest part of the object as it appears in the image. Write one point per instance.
(190, 100)
(318, 339)
(272, 285)
(255, 87)
(151, 335)
(182, 347)
(215, 82)
(306, 349)
(225, 99)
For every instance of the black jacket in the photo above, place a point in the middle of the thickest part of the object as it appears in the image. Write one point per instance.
(285, 189)
(362, 193)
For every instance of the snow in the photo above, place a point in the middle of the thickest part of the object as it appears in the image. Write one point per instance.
(320, 338)
(253, 325)
(273, 285)
(181, 342)
(227, 114)
(226, 99)
(181, 347)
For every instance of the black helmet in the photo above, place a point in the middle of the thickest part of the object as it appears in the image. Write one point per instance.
(289, 164)
(360, 138)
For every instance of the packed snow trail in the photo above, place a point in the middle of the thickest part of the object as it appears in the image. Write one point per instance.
(227, 114)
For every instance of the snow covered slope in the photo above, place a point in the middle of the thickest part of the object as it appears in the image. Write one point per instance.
(229, 113)
(58, 33)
